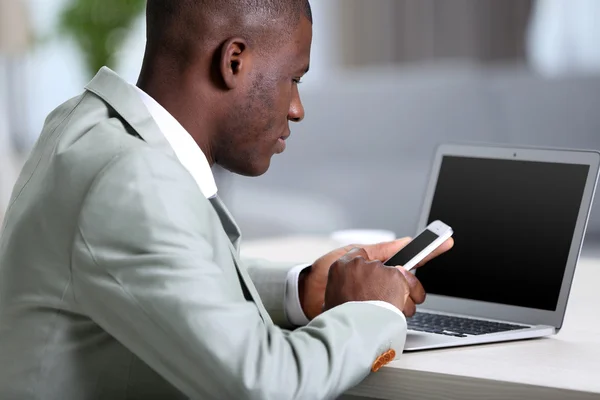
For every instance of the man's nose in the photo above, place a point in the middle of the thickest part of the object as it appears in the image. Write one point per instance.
(296, 111)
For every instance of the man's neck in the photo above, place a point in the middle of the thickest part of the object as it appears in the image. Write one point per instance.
(178, 107)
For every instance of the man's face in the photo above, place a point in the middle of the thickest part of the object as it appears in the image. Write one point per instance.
(259, 121)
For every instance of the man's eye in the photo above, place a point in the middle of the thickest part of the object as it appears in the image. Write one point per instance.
(297, 80)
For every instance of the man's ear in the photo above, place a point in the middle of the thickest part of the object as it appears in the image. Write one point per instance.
(235, 62)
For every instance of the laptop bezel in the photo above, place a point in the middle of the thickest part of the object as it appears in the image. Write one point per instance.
(504, 312)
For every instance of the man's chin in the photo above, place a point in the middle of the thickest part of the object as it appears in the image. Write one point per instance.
(250, 169)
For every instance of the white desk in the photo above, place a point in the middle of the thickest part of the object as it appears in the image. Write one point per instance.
(565, 366)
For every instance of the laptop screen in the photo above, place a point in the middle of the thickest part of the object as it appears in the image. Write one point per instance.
(513, 225)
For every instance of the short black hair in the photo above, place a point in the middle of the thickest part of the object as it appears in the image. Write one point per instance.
(272, 7)
(177, 26)
(161, 13)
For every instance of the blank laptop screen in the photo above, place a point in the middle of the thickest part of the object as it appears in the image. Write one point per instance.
(513, 225)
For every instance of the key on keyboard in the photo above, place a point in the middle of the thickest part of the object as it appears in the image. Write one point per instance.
(456, 326)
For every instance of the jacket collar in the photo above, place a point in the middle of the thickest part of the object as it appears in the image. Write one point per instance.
(123, 98)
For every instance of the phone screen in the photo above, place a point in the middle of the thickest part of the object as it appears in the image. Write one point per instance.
(409, 251)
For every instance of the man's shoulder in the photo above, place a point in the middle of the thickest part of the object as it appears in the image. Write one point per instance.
(83, 139)
(90, 133)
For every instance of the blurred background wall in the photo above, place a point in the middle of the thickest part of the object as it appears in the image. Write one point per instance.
(389, 81)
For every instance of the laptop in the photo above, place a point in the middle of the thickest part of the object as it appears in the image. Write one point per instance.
(519, 217)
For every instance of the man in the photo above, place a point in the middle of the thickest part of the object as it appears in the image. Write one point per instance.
(120, 276)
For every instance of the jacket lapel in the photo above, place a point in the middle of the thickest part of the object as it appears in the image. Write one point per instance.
(122, 97)
(234, 234)
(229, 224)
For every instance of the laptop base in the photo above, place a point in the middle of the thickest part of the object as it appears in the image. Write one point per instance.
(417, 341)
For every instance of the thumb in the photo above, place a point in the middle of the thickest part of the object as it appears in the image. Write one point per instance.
(383, 251)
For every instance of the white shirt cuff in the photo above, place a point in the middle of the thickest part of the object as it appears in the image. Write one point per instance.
(292, 307)
(387, 305)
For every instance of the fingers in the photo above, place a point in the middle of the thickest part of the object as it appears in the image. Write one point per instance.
(356, 277)
(410, 308)
(416, 289)
(383, 251)
(444, 247)
(355, 252)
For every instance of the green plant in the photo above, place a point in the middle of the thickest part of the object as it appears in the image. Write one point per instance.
(99, 28)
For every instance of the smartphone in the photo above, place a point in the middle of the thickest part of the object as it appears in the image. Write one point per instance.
(421, 246)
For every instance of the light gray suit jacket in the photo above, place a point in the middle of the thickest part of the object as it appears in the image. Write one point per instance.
(120, 280)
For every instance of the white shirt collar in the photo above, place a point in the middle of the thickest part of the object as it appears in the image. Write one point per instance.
(184, 146)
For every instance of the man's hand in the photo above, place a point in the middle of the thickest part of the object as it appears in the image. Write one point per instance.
(313, 284)
(353, 278)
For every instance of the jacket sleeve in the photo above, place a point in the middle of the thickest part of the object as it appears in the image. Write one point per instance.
(273, 285)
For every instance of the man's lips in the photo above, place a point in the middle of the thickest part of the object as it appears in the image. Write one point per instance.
(285, 136)
(281, 143)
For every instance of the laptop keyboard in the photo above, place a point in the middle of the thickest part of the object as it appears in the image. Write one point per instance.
(456, 326)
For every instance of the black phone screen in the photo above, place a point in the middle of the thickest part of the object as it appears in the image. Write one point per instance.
(413, 248)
